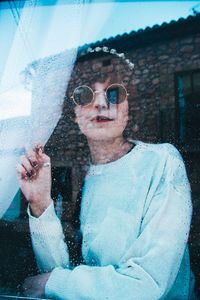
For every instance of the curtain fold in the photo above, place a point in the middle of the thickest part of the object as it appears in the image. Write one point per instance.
(35, 76)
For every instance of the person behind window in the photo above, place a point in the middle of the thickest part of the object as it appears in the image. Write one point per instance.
(135, 209)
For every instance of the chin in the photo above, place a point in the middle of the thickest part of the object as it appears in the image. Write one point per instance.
(104, 134)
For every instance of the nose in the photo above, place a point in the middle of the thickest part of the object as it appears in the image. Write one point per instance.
(100, 101)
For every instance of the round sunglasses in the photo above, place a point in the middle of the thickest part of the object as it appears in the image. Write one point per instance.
(115, 94)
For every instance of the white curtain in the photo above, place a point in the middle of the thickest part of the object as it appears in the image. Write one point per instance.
(38, 55)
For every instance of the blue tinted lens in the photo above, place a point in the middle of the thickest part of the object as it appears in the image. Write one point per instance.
(116, 93)
(113, 96)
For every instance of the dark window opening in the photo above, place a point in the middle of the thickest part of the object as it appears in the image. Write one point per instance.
(188, 104)
(61, 189)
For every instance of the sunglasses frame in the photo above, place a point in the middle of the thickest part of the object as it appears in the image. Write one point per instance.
(95, 92)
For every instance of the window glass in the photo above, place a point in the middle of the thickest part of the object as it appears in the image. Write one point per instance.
(138, 62)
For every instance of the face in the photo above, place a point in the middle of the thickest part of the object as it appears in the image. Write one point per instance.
(100, 120)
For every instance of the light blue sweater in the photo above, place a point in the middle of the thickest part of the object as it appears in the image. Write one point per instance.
(135, 219)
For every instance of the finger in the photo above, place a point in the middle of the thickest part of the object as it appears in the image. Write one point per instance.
(27, 284)
(38, 146)
(28, 291)
(21, 172)
(45, 158)
(32, 157)
(41, 156)
(30, 286)
(32, 292)
(27, 166)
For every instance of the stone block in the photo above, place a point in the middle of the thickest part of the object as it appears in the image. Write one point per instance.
(187, 48)
(155, 81)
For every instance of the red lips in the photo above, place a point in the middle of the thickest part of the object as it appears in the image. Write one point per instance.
(101, 119)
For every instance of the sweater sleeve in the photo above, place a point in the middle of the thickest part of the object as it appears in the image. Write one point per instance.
(150, 266)
(47, 237)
